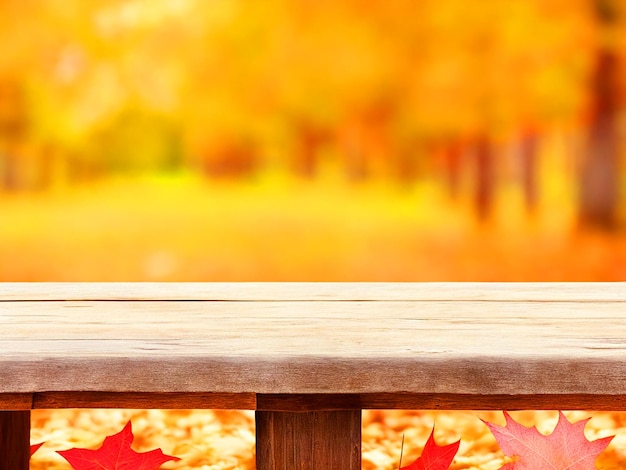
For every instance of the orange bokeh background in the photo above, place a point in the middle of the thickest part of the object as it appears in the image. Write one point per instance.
(297, 140)
(310, 140)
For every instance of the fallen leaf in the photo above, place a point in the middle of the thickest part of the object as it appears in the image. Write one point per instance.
(116, 454)
(435, 457)
(566, 448)
(34, 448)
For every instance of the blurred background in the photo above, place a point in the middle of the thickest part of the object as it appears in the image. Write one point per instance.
(320, 140)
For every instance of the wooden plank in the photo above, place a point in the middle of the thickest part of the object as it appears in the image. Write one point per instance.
(512, 375)
(138, 400)
(14, 440)
(307, 291)
(16, 401)
(429, 401)
(466, 347)
(311, 402)
(366, 350)
(308, 441)
(87, 320)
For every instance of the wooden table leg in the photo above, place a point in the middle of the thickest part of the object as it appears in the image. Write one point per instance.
(14, 440)
(315, 440)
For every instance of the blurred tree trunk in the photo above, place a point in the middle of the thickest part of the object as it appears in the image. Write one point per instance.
(9, 176)
(485, 180)
(352, 141)
(13, 125)
(528, 163)
(453, 165)
(600, 170)
(310, 140)
(405, 160)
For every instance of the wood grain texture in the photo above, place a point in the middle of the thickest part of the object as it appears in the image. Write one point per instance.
(442, 339)
(308, 441)
(16, 401)
(307, 291)
(427, 401)
(14, 440)
(311, 402)
(161, 401)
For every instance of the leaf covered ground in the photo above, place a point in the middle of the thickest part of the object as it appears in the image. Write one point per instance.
(182, 228)
(224, 440)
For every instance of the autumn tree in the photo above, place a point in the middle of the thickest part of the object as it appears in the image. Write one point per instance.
(376, 87)
(600, 177)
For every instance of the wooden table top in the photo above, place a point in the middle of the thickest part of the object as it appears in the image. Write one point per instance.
(314, 338)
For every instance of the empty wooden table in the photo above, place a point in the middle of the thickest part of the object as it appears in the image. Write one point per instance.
(308, 357)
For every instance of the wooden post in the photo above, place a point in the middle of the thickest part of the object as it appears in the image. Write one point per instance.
(14, 440)
(315, 440)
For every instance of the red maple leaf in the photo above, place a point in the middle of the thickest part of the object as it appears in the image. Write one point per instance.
(34, 448)
(435, 457)
(116, 454)
(566, 448)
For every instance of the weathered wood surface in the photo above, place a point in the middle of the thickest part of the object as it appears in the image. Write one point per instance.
(311, 402)
(308, 441)
(446, 401)
(303, 291)
(162, 401)
(16, 401)
(455, 340)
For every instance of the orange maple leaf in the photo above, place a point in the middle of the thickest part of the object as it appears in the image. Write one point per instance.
(566, 448)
